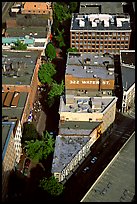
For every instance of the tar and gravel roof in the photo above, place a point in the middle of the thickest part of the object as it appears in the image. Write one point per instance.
(117, 183)
(105, 7)
(77, 67)
(24, 65)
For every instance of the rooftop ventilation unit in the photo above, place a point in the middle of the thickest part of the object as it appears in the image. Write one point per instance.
(81, 23)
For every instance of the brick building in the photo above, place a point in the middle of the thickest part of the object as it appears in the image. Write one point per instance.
(36, 8)
(20, 74)
(89, 75)
(100, 32)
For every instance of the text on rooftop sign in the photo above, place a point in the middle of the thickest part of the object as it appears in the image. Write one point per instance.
(89, 82)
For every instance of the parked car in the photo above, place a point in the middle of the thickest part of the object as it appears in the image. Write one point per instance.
(93, 160)
(85, 169)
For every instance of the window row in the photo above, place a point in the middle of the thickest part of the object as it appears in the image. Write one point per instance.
(101, 33)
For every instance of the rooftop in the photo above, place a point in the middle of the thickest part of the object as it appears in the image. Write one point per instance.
(127, 68)
(117, 183)
(100, 22)
(65, 150)
(77, 128)
(18, 66)
(15, 112)
(101, 7)
(10, 40)
(35, 32)
(87, 104)
(7, 128)
(90, 65)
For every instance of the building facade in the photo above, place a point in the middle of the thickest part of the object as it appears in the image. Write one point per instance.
(99, 109)
(89, 75)
(8, 155)
(100, 33)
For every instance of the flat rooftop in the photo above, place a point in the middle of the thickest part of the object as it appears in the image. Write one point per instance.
(18, 67)
(101, 7)
(100, 22)
(66, 147)
(77, 128)
(7, 128)
(90, 65)
(86, 104)
(16, 112)
(35, 32)
(117, 183)
(127, 59)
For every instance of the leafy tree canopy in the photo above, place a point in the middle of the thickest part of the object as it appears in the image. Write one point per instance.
(61, 12)
(46, 72)
(56, 90)
(73, 49)
(50, 51)
(29, 132)
(73, 6)
(19, 46)
(40, 149)
(60, 38)
(52, 186)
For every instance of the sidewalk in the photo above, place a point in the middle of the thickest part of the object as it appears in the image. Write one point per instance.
(41, 123)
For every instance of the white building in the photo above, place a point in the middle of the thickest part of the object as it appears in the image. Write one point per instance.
(127, 60)
(72, 145)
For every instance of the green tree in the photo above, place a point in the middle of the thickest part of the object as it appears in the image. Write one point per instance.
(29, 132)
(59, 38)
(46, 72)
(56, 90)
(40, 149)
(60, 12)
(19, 46)
(73, 6)
(50, 51)
(72, 49)
(52, 186)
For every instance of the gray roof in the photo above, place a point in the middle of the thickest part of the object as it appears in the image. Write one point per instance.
(18, 111)
(37, 32)
(37, 20)
(65, 150)
(77, 128)
(101, 7)
(85, 19)
(5, 131)
(23, 65)
(81, 104)
(96, 66)
(128, 77)
(117, 183)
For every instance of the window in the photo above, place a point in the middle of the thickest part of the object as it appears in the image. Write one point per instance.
(34, 5)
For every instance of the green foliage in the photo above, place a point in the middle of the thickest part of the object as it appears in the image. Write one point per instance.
(61, 12)
(46, 72)
(59, 38)
(29, 132)
(73, 49)
(52, 186)
(50, 51)
(56, 90)
(40, 149)
(19, 46)
(73, 6)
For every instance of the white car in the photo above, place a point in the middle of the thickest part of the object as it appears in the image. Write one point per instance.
(93, 160)
(85, 169)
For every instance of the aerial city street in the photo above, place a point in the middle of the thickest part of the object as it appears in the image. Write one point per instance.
(68, 102)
